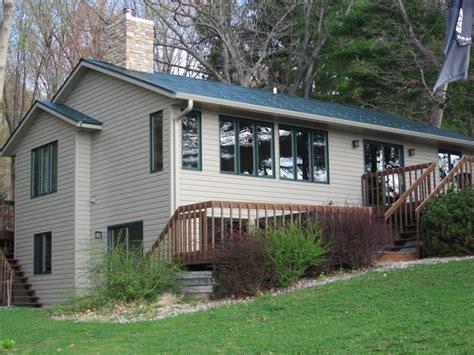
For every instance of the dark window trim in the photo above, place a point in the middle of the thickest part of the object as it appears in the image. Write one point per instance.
(402, 149)
(294, 147)
(53, 187)
(199, 118)
(152, 169)
(36, 266)
(128, 224)
(236, 121)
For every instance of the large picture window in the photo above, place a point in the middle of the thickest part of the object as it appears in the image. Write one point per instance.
(44, 169)
(246, 147)
(156, 141)
(191, 140)
(42, 253)
(303, 154)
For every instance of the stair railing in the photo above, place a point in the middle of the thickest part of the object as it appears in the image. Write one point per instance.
(458, 178)
(6, 280)
(403, 212)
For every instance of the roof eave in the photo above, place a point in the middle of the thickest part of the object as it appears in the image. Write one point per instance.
(84, 65)
(6, 150)
(324, 119)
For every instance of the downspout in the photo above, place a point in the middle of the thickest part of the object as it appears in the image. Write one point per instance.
(188, 109)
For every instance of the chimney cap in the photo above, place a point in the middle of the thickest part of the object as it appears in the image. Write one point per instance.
(127, 11)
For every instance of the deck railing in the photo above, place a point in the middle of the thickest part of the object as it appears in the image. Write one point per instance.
(382, 189)
(401, 213)
(194, 231)
(6, 280)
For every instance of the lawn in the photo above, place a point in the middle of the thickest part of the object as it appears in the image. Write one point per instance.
(421, 309)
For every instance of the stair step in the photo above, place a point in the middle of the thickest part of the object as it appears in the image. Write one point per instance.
(401, 242)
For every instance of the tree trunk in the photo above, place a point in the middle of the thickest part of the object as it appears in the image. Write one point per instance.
(5, 163)
(436, 117)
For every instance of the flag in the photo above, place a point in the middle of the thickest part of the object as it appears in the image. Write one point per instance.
(458, 43)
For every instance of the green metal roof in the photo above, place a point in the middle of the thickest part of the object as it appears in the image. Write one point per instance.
(70, 113)
(175, 84)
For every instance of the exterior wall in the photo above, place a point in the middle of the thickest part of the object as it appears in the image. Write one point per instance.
(82, 200)
(346, 165)
(53, 212)
(122, 186)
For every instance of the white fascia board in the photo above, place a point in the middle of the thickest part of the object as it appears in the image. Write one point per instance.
(322, 119)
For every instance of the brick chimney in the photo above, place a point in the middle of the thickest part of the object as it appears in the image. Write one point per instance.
(130, 43)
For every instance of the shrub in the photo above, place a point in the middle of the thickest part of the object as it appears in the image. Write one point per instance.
(244, 266)
(125, 276)
(7, 344)
(353, 238)
(294, 250)
(447, 225)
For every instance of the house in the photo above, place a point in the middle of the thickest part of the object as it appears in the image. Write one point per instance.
(120, 148)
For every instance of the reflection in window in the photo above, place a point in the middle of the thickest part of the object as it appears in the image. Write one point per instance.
(44, 164)
(302, 154)
(246, 147)
(265, 149)
(286, 153)
(156, 128)
(320, 173)
(129, 236)
(227, 145)
(191, 140)
(446, 161)
(307, 151)
(382, 156)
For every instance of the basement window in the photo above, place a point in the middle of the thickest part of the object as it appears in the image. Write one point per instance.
(42, 253)
(44, 169)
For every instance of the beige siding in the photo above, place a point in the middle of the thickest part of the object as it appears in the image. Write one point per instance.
(345, 166)
(82, 208)
(53, 212)
(121, 183)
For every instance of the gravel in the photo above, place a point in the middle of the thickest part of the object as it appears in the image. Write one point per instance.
(138, 312)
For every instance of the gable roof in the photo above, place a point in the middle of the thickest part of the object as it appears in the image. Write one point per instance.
(176, 86)
(59, 111)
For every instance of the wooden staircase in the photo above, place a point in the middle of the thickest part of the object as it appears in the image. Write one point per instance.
(22, 293)
(403, 211)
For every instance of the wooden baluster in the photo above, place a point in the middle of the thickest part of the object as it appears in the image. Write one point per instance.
(257, 222)
(240, 218)
(222, 224)
(299, 216)
(205, 237)
(291, 214)
(231, 221)
(266, 219)
(213, 232)
(274, 217)
(190, 234)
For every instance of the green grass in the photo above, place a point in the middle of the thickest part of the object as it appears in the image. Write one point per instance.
(422, 309)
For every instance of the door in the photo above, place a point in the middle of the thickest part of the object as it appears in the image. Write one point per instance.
(447, 159)
(379, 156)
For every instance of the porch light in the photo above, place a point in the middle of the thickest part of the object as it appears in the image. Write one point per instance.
(98, 235)
(355, 143)
(411, 152)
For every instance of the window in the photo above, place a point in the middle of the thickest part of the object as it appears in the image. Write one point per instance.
(129, 236)
(246, 147)
(42, 253)
(447, 159)
(156, 141)
(44, 169)
(191, 140)
(303, 154)
(382, 156)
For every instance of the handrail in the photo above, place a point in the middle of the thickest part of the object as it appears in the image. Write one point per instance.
(6, 280)
(381, 189)
(406, 195)
(194, 231)
(447, 180)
